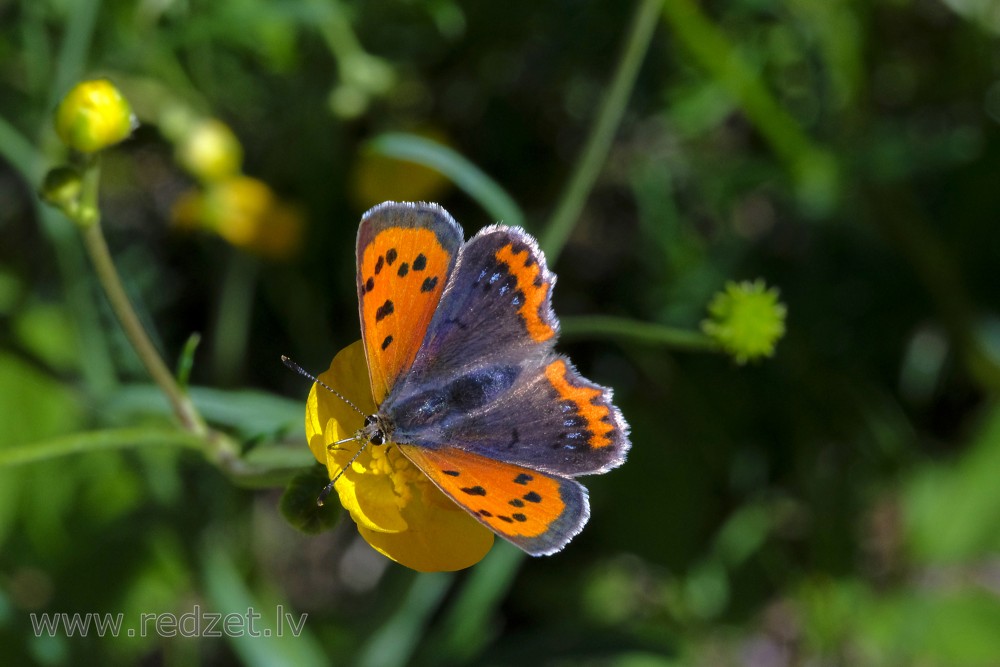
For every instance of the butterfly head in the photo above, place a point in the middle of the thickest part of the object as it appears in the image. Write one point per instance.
(376, 430)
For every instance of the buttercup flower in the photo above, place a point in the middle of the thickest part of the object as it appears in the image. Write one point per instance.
(93, 116)
(376, 178)
(246, 213)
(398, 510)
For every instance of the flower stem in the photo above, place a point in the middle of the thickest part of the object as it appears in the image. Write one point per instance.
(602, 132)
(591, 326)
(813, 168)
(88, 218)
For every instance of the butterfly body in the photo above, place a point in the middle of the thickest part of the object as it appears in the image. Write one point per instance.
(459, 340)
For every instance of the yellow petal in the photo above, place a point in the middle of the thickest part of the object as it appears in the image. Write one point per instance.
(398, 509)
(93, 116)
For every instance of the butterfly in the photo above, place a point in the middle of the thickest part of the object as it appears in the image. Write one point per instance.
(459, 340)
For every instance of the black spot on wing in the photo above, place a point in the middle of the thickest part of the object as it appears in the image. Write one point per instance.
(517, 502)
(474, 490)
(391, 256)
(387, 342)
(429, 284)
(519, 517)
(523, 478)
(420, 263)
(384, 310)
(369, 284)
(404, 268)
(379, 264)
(451, 473)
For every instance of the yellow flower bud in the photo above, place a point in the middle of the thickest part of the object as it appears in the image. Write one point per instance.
(210, 151)
(93, 116)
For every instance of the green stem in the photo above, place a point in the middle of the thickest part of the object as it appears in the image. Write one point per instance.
(93, 237)
(78, 443)
(601, 326)
(75, 46)
(812, 167)
(602, 133)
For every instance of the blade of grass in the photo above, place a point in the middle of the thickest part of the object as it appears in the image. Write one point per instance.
(500, 206)
(231, 330)
(393, 644)
(19, 152)
(73, 51)
(466, 625)
(78, 443)
(259, 641)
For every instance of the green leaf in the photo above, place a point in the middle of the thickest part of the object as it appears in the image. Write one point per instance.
(249, 411)
(952, 511)
(230, 595)
(467, 176)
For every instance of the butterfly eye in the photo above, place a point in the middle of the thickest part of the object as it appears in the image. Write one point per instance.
(370, 419)
(377, 438)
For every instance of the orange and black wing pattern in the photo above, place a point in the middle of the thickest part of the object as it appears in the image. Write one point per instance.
(536, 511)
(405, 255)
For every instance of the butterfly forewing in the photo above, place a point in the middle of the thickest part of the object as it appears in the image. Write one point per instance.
(405, 255)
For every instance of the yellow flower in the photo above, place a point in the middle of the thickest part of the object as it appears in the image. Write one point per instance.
(246, 213)
(398, 510)
(376, 178)
(93, 116)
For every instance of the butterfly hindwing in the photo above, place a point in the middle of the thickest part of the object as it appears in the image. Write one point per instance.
(541, 414)
(405, 255)
(538, 512)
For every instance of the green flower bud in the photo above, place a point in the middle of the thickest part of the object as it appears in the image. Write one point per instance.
(93, 116)
(746, 320)
(62, 187)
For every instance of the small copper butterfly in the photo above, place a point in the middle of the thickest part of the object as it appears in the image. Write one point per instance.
(459, 340)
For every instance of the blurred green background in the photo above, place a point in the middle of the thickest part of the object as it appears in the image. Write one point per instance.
(836, 504)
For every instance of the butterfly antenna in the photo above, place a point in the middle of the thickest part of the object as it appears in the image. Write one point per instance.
(329, 487)
(303, 372)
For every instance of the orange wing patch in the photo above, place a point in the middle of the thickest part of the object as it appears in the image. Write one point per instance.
(597, 415)
(401, 275)
(527, 271)
(538, 512)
